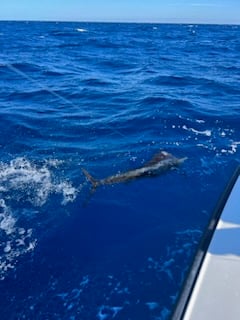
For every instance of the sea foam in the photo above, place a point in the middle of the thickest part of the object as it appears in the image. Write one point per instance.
(23, 180)
(24, 183)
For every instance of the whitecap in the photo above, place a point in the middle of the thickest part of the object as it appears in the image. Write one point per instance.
(81, 30)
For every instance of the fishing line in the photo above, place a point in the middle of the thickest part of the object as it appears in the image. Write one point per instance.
(35, 82)
(57, 95)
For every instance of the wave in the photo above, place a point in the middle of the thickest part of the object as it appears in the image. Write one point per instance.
(67, 34)
(30, 69)
(106, 43)
(21, 66)
(54, 73)
(96, 82)
(69, 45)
(208, 84)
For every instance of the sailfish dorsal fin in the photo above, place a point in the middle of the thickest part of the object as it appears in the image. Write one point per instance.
(160, 156)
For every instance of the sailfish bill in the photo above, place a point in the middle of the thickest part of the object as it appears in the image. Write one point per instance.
(160, 163)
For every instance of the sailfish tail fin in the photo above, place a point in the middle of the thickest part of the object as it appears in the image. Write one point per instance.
(95, 183)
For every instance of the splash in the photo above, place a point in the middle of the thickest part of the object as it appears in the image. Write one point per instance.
(21, 180)
(25, 184)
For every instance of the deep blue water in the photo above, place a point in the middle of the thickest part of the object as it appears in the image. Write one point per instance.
(106, 97)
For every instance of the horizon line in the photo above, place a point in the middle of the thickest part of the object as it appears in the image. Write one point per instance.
(121, 22)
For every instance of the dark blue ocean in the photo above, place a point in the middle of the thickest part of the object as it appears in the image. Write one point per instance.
(106, 98)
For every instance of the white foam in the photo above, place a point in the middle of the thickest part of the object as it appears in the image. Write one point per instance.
(23, 182)
(232, 148)
(7, 247)
(201, 145)
(67, 190)
(55, 163)
(27, 182)
(207, 133)
(17, 241)
(7, 222)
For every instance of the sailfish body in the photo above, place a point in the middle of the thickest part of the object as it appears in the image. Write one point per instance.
(160, 163)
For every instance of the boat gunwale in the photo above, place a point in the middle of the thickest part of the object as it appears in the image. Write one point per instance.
(201, 251)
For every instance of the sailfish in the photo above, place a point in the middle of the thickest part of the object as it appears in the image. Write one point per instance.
(160, 163)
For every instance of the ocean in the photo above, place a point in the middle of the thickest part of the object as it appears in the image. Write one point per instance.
(107, 97)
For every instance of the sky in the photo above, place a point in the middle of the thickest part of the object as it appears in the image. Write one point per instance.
(162, 11)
